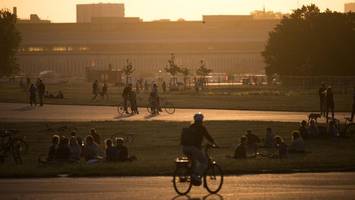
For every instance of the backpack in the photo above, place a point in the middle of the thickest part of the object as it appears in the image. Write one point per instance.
(187, 136)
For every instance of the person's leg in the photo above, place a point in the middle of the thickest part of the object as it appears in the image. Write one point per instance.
(332, 111)
(125, 100)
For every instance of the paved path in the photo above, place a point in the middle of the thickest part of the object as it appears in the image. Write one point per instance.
(23, 112)
(271, 187)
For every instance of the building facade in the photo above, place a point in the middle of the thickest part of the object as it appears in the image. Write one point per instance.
(85, 12)
(229, 46)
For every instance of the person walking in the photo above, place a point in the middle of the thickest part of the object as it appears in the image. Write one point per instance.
(330, 103)
(322, 99)
(41, 89)
(33, 92)
(125, 95)
(95, 89)
(104, 92)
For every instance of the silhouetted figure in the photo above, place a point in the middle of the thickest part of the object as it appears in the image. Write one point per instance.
(137, 87)
(313, 128)
(154, 100)
(241, 150)
(332, 129)
(125, 95)
(330, 103)
(322, 99)
(63, 151)
(95, 89)
(163, 86)
(112, 152)
(33, 93)
(95, 136)
(91, 151)
(133, 102)
(353, 110)
(60, 95)
(191, 141)
(281, 148)
(297, 144)
(41, 89)
(75, 149)
(252, 141)
(52, 152)
(104, 91)
(304, 130)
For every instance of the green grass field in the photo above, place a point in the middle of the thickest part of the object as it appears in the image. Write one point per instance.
(156, 146)
(233, 97)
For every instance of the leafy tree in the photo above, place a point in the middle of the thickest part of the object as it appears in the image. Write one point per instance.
(128, 70)
(9, 42)
(203, 71)
(172, 69)
(312, 43)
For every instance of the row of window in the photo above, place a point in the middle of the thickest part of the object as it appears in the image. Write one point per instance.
(54, 49)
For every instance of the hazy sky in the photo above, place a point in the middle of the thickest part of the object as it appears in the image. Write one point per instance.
(65, 11)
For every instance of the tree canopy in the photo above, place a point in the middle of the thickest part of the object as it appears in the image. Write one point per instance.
(9, 42)
(312, 43)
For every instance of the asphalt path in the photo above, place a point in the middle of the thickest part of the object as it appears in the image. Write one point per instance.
(304, 186)
(23, 112)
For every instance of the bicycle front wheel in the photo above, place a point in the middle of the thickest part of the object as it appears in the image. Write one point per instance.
(120, 109)
(213, 179)
(169, 108)
(182, 180)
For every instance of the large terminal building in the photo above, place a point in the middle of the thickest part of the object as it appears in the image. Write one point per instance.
(102, 36)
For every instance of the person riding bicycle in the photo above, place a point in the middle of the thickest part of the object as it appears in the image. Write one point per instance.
(191, 141)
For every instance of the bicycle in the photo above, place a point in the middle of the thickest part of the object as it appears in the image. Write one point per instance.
(212, 178)
(9, 144)
(121, 110)
(165, 105)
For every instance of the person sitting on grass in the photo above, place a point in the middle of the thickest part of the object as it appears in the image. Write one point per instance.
(281, 148)
(297, 145)
(91, 151)
(269, 138)
(53, 148)
(313, 129)
(252, 142)
(241, 150)
(75, 149)
(303, 130)
(112, 153)
(63, 151)
(95, 136)
(123, 151)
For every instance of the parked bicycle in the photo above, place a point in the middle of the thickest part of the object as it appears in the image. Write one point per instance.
(10, 144)
(212, 178)
(122, 111)
(165, 105)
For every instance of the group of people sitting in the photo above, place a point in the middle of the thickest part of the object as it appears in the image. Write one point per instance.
(274, 144)
(72, 149)
(312, 130)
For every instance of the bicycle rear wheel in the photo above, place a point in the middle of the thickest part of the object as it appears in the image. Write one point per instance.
(213, 179)
(121, 110)
(182, 180)
(169, 108)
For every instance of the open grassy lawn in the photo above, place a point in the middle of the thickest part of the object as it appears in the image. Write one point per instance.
(233, 97)
(156, 144)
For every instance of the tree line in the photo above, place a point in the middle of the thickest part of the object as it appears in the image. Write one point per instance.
(312, 43)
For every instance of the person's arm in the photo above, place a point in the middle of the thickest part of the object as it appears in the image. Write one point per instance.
(207, 135)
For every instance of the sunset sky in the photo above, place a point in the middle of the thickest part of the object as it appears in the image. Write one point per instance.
(65, 11)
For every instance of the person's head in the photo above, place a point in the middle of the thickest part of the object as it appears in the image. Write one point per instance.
(278, 140)
(249, 132)
(303, 123)
(89, 140)
(93, 131)
(323, 85)
(155, 85)
(198, 118)
(243, 139)
(108, 143)
(73, 133)
(55, 139)
(268, 130)
(295, 135)
(73, 140)
(119, 141)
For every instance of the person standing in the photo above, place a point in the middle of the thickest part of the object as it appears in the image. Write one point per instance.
(133, 102)
(125, 95)
(41, 89)
(163, 86)
(137, 86)
(353, 110)
(33, 92)
(322, 99)
(95, 89)
(104, 92)
(330, 103)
